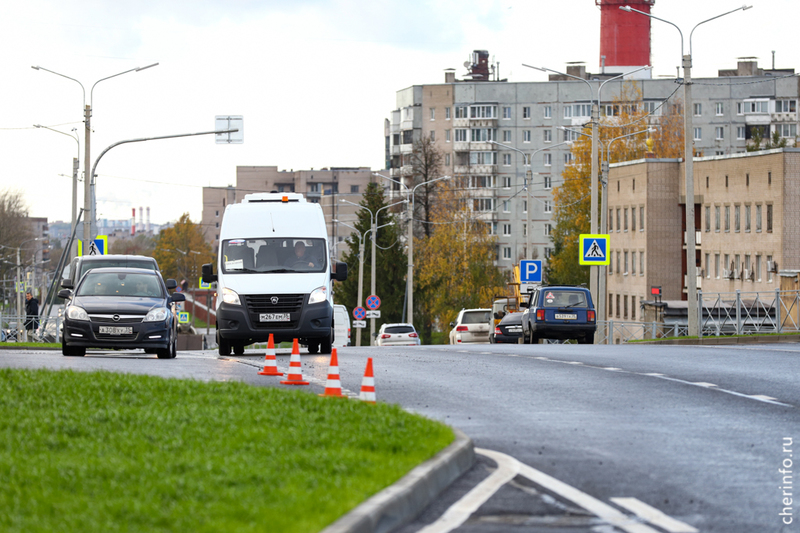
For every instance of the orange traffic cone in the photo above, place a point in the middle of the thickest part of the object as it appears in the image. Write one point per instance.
(295, 374)
(270, 364)
(333, 387)
(368, 384)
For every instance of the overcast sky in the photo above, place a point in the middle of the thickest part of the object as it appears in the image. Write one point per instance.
(314, 79)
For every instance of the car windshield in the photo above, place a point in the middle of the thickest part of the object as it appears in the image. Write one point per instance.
(561, 298)
(120, 284)
(475, 317)
(277, 256)
(106, 263)
(399, 329)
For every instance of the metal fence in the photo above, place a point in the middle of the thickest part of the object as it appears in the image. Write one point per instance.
(12, 329)
(617, 331)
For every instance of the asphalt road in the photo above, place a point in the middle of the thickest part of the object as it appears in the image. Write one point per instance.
(697, 433)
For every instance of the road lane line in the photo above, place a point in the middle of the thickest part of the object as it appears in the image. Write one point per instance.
(763, 397)
(705, 384)
(459, 512)
(653, 515)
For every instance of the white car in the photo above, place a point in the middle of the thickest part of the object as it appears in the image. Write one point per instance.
(341, 326)
(397, 335)
(471, 326)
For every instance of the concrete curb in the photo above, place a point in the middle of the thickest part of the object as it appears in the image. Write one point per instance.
(396, 505)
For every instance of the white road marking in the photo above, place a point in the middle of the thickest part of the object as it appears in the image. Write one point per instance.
(654, 374)
(573, 362)
(762, 397)
(459, 512)
(653, 515)
(612, 368)
(704, 384)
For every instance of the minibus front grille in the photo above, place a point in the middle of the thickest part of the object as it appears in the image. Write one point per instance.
(274, 303)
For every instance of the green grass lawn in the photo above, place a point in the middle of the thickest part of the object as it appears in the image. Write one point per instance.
(86, 452)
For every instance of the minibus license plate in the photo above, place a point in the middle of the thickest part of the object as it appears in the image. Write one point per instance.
(563, 316)
(274, 317)
(116, 330)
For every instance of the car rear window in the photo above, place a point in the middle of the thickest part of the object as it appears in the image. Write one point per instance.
(399, 329)
(561, 298)
(127, 263)
(475, 317)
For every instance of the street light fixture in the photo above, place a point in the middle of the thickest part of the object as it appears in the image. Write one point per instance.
(88, 182)
(688, 159)
(593, 275)
(410, 275)
(75, 165)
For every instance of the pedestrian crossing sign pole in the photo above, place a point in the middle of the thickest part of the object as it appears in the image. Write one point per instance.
(594, 250)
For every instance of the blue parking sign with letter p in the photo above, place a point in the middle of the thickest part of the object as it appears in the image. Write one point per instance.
(530, 271)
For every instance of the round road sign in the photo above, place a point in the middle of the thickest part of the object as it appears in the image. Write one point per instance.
(373, 302)
(359, 313)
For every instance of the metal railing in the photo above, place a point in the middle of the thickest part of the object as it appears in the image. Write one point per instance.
(13, 329)
(619, 331)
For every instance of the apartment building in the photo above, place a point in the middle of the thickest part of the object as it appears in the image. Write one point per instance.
(747, 226)
(464, 118)
(327, 186)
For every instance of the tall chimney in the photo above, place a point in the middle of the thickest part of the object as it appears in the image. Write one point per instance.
(141, 218)
(624, 37)
(147, 227)
(133, 221)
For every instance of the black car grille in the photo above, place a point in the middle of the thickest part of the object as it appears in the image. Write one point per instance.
(286, 303)
(109, 320)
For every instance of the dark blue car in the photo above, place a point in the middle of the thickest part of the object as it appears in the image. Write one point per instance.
(560, 312)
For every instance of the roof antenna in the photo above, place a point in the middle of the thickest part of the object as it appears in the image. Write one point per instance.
(272, 222)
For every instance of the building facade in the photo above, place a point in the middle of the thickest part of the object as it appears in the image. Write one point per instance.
(328, 187)
(747, 226)
(465, 118)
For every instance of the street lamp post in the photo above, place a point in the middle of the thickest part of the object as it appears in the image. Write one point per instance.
(88, 182)
(410, 274)
(593, 273)
(688, 158)
(75, 164)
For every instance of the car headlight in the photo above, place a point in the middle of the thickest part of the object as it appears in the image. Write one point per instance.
(159, 314)
(318, 295)
(77, 313)
(230, 297)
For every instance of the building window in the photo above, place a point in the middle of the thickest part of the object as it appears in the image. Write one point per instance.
(354, 189)
(769, 218)
(633, 263)
(483, 204)
(758, 268)
(769, 178)
(610, 266)
(433, 136)
(625, 307)
(217, 213)
(506, 252)
(633, 219)
(727, 218)
(548, 184)
(716, 266)
(461, 112)
(747, 218)
(641, 218)
(610, 220)
(718, 109)
(698, 109)
(525, 231)
(547, 228)
(505, 206)
(619, 218)
(625, 220)
(625, 255)
(447, 160)
(506, 113)
(719, 133)
(483, 158)
(569, 157)
(217, 224)
(610, 305)
(526, 136)
(641, 263)
(548, 159)
(758, 218)
(492, 228)
(785, 106)
(548, 136)
(547, 111)
(708, 265)
(526, 112)
(506, 229)
(787, 130)
(506, 136)
(617, 305)
(483, 111)
(433, 113)
(506, 181)
(447, 113)
(698, 134)
(708, 218)
(447, 136)
(548, 207)
(740, 133)
(461, 135)
(567, 111)
(524, 206)
(507, 160)
(484, 134)
(737, 212)
(716, 218)
(769, 272)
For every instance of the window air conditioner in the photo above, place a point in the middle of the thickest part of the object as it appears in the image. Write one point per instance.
(772, 266)
(746, 274)
(752, 276)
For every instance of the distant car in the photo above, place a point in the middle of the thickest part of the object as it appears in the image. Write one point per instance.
(509, 330)
(397, 335)
(560, 312)
(471, 326)
(341, 326)
(81, 264)
(121, 308)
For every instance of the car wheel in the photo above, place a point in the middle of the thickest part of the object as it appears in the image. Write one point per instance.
(224, 345)
(173, 351)
(165, 353)
(238, 349)
(313, 347)
(534, 339)
(150, 350)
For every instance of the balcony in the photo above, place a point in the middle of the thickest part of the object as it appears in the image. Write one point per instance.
(484, 170)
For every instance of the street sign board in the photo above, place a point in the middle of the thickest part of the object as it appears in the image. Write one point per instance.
(183, 317)
(373, 314)
(204, 285)
(359, 323)
(594, 250)
(373, 302)
(359, 313)
(530, 271)
(227, 123)
(98, 247)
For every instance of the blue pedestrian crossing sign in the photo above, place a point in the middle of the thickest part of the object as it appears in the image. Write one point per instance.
(594, 250)
(99, 246)
(530, 271)
(183, 317)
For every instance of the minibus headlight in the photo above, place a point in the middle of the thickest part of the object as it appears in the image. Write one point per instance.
(318, 295)
(230, 297)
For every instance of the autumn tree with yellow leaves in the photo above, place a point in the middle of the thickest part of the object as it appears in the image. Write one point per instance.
(572, 198)
(175, 251)
(454, 267)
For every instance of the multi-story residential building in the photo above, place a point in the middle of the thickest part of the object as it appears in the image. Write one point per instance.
(747, 218)
(328, 187)
(464, 118)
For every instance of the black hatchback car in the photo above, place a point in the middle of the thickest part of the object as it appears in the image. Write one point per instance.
(121, 308)
(559, 312)
(509, 330)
